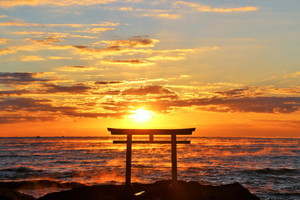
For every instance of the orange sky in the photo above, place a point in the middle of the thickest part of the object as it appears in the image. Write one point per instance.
(74, 68)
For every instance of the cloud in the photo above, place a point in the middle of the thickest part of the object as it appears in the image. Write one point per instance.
(163, 15)
(146, 90)
(131, 62)
(96, 30)
(126, 9)
(53, 35)
(49, 40)
(107, 24)
(110, 92)
(20, 22)
(206, 8)
(166, 57)
(13, 92)
(255, 91)
(29, 109)
(293, 75)
(158, 13)
(20, 78)
(176, 54)
(137, 46)
(155, 97)
(39, 58)
(243, 92)
(272, 105)
(243, 100)
(256, 104)
(6, 51)
(107, 82)
(74, 89)
(33, 46)
(31, 58)
(13, 3)
(58, 58)
(13, 104)
(3, 41)
(76, 68)
(30, 33)
(155, 91)
(3, 16)
(17, 118)
(136, 42)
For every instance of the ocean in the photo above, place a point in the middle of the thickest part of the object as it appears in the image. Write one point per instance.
(268, 167)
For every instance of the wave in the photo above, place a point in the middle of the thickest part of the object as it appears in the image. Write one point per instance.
(294, 194)
(20, 170)
(275, 171)
(14, 156)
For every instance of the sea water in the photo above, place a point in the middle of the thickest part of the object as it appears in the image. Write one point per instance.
(268, 167)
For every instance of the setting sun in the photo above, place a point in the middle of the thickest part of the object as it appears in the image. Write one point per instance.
(142, 115)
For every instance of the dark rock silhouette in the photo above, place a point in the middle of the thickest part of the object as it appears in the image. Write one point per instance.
(9, 190)
(8, 194)
(38, 184)
(161, 190)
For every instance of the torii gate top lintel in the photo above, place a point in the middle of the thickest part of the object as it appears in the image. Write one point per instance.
(184, 131)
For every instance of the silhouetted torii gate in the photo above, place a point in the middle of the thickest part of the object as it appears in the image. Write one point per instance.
(151, 132)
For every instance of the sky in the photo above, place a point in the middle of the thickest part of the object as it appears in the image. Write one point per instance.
(74, 67)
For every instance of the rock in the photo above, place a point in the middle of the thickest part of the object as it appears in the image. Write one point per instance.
(8, 194)
(38, 184)
(100, 192)
(161, 190)
(8, 190)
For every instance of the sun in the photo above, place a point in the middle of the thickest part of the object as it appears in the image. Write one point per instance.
(142, 115)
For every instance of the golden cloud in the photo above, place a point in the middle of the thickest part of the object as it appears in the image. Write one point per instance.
(162, 57)
(59, 58)
(55, 34)
(131, 62)
(13, 3)
(159, 13)
(126, 9)
(163, 15)
(206, 8)
(97, 30)
(7, 51)
(133, 42)
(19, 22)
(177, 54)
(293, 75)
(39, 58)
(30, 33)
(106, 24)
(31, 58)
(4, 40)
(76, 68)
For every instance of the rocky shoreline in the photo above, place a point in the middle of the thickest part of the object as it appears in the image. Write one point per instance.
(160, 190)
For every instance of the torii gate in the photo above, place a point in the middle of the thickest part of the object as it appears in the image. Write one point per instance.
(151, 132)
